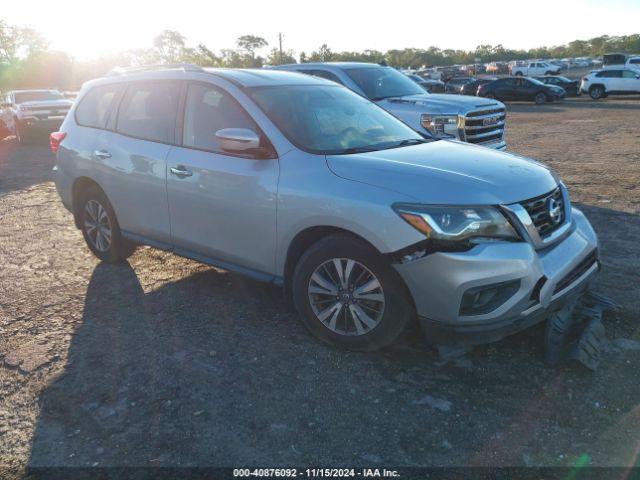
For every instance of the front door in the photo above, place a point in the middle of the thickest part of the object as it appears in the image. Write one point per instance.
(222, 206)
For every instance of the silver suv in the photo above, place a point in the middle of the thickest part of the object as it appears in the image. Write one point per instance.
(298, 181)
(471, 119)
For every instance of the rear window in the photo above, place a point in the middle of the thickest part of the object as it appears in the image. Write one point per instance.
(95, 106)
(148, 111)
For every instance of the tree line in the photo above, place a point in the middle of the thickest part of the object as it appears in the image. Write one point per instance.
(26, 61)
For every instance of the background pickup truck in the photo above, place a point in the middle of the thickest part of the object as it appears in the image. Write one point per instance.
(535, 68)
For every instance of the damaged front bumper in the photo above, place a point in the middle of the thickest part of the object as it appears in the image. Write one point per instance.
(540, 282)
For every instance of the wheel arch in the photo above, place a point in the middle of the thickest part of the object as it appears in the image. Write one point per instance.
(304, 239)
(80, 185)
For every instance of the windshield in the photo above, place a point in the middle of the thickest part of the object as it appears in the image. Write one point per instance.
(332, 120)
(37, 96)
(383, 82)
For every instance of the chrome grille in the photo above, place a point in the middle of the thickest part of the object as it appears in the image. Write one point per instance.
(485, 126)
(539, 210)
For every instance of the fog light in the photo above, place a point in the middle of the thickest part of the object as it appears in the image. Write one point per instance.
(485, 299)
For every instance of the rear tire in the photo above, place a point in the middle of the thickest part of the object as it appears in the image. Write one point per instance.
(549, 73)
(596, 92)
(372, 303)
(100, 227)
(518, 74)
(540, 98)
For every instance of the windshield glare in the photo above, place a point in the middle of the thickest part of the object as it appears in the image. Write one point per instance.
(383, 82)
(331, 120)
(22, 97)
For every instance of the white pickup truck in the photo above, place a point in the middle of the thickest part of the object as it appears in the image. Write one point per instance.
(535, 68)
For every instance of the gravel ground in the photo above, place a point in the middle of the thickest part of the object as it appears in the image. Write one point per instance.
(166, 362)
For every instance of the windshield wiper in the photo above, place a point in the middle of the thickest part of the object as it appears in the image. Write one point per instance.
(410, 141)
(351, 150)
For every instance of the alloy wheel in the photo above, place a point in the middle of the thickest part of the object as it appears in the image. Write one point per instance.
(97, 225)
(346, 297)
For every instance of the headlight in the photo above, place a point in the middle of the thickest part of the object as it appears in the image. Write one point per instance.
(440, 125)
(457, 223)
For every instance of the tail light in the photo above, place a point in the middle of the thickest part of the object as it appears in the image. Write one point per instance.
(54, 140)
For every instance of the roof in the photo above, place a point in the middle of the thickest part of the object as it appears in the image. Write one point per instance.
(266, 77)
(333, 64)
(243, 77)
(34, 90)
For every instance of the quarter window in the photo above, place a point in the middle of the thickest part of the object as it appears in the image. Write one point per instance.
(95, 106)
(148, 111)
(208, 110)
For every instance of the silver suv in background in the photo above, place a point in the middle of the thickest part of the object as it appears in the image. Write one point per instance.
(471, 119)
(26, 112)
(298, 181)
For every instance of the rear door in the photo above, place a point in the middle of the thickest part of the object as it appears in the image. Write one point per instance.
(222, 205)
(506, 89)
(131, 157)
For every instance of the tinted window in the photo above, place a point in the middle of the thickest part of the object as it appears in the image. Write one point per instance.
(95, 106)
(609, 74)
(331, 119)
(208, 110)
(326, 75)
(383, 82)
(635, 61)
(629, 74)
(148, 111)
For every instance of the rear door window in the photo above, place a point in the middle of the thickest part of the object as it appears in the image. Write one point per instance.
(148, 111)
(94, 108)
(610, 74)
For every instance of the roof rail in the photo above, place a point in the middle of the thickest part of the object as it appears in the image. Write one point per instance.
(187, 67)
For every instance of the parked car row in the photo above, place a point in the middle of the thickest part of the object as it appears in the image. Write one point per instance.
(541, 89)
(367, 224)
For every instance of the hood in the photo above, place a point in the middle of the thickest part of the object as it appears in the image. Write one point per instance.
(62, 103)
(440, 103)
(448, 172)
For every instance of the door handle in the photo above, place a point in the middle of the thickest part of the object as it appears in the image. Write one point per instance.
(101, 154)
(180, 171)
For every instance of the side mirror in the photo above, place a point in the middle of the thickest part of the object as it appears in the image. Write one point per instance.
(238, 140)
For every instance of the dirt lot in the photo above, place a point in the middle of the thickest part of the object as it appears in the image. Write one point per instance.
(166, 362)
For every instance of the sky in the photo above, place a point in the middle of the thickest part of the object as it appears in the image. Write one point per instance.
(90, 28)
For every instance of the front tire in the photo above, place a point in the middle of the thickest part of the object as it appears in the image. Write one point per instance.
(596, 92)
(100, 227)
(349, 296)
(540, 98)
(518, 74)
